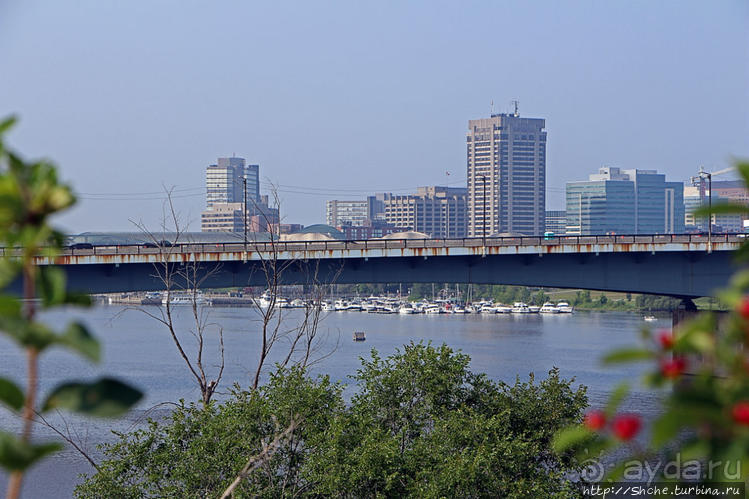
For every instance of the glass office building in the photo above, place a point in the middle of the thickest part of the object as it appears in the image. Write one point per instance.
(615, 201)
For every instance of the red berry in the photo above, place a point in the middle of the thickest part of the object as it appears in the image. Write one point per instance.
(743, 307)
(595, 420)
(673, 368)
(741, 412)
(665, 338)
(626, 426)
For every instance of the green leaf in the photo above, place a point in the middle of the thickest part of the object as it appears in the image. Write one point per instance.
(7, 123)
(10, 394)
(78, 299)
(628, 355)
(701, 341)
(51, 285)
(16, 455)
(105, 398)
(26, 333)
(616, 398)
(720, 208)
(10, 306)
(665, 428)
(77, 337)
(743, 168)
(570, 437)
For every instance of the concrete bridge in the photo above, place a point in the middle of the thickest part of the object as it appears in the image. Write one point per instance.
(675, 265)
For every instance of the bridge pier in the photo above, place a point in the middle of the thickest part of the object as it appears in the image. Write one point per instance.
(685, 311)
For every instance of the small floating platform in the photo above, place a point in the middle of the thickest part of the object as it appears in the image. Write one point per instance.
(359, 336)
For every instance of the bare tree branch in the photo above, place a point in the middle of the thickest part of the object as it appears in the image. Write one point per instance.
(187, 277)
(66, 436)
(259, 459)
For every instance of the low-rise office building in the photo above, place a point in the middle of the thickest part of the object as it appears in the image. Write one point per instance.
(615, 201)
(435, 210)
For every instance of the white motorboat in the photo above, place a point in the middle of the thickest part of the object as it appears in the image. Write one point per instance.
(549, 308)
(502, 309)
(406, 309)
(367, 305)
(649, 318)
(432, 308)
(298, 303)
(282, 303)
(564, 307)
(185, 299)
(520, 308)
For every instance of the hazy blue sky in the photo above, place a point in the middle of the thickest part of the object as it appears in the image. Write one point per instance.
(361, 97)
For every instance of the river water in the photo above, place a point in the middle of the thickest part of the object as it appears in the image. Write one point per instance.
(140, 350)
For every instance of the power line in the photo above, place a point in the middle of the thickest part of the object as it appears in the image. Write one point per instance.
(187, 189)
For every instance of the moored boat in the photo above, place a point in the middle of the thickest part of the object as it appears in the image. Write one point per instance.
(564, 307)
(406, 309)
(359, 336)
(520, 308)
(185, 299)
(549, 308)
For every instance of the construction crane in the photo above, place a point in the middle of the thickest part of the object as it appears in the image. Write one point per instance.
(700, 178)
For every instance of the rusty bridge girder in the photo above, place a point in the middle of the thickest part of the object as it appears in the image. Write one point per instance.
(676, 265)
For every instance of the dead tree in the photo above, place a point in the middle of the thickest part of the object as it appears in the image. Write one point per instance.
(184, 278)
(302, 337)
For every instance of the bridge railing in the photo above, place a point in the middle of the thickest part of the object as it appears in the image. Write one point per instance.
(386, 244)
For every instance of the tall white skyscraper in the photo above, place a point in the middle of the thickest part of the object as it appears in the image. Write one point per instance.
(506, 157)
(224, 184)
(225, 198)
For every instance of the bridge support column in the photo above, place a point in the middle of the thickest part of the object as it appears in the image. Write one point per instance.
(685, 311)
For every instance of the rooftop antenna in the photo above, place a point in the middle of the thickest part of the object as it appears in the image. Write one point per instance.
(492, 108)
(516, 113)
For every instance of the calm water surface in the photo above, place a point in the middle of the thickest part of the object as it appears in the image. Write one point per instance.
(139, 349)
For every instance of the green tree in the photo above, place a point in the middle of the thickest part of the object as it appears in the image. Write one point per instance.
(421, 424)
(198, 451)
(540, 297)
(582, 297)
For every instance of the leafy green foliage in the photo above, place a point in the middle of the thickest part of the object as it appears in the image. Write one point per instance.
(16, 455)
(199, 450)
(77, 337)
(104, 398)
(30, 194)
(420, 424)
(10, 394)
(704, 365)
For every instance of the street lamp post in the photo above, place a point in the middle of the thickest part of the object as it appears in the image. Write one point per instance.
(701, 175)
(244, 182)
(710, 209)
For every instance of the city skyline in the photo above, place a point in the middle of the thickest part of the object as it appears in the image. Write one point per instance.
(631, 85)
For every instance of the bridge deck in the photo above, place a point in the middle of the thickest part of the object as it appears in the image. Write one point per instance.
(374, 248)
